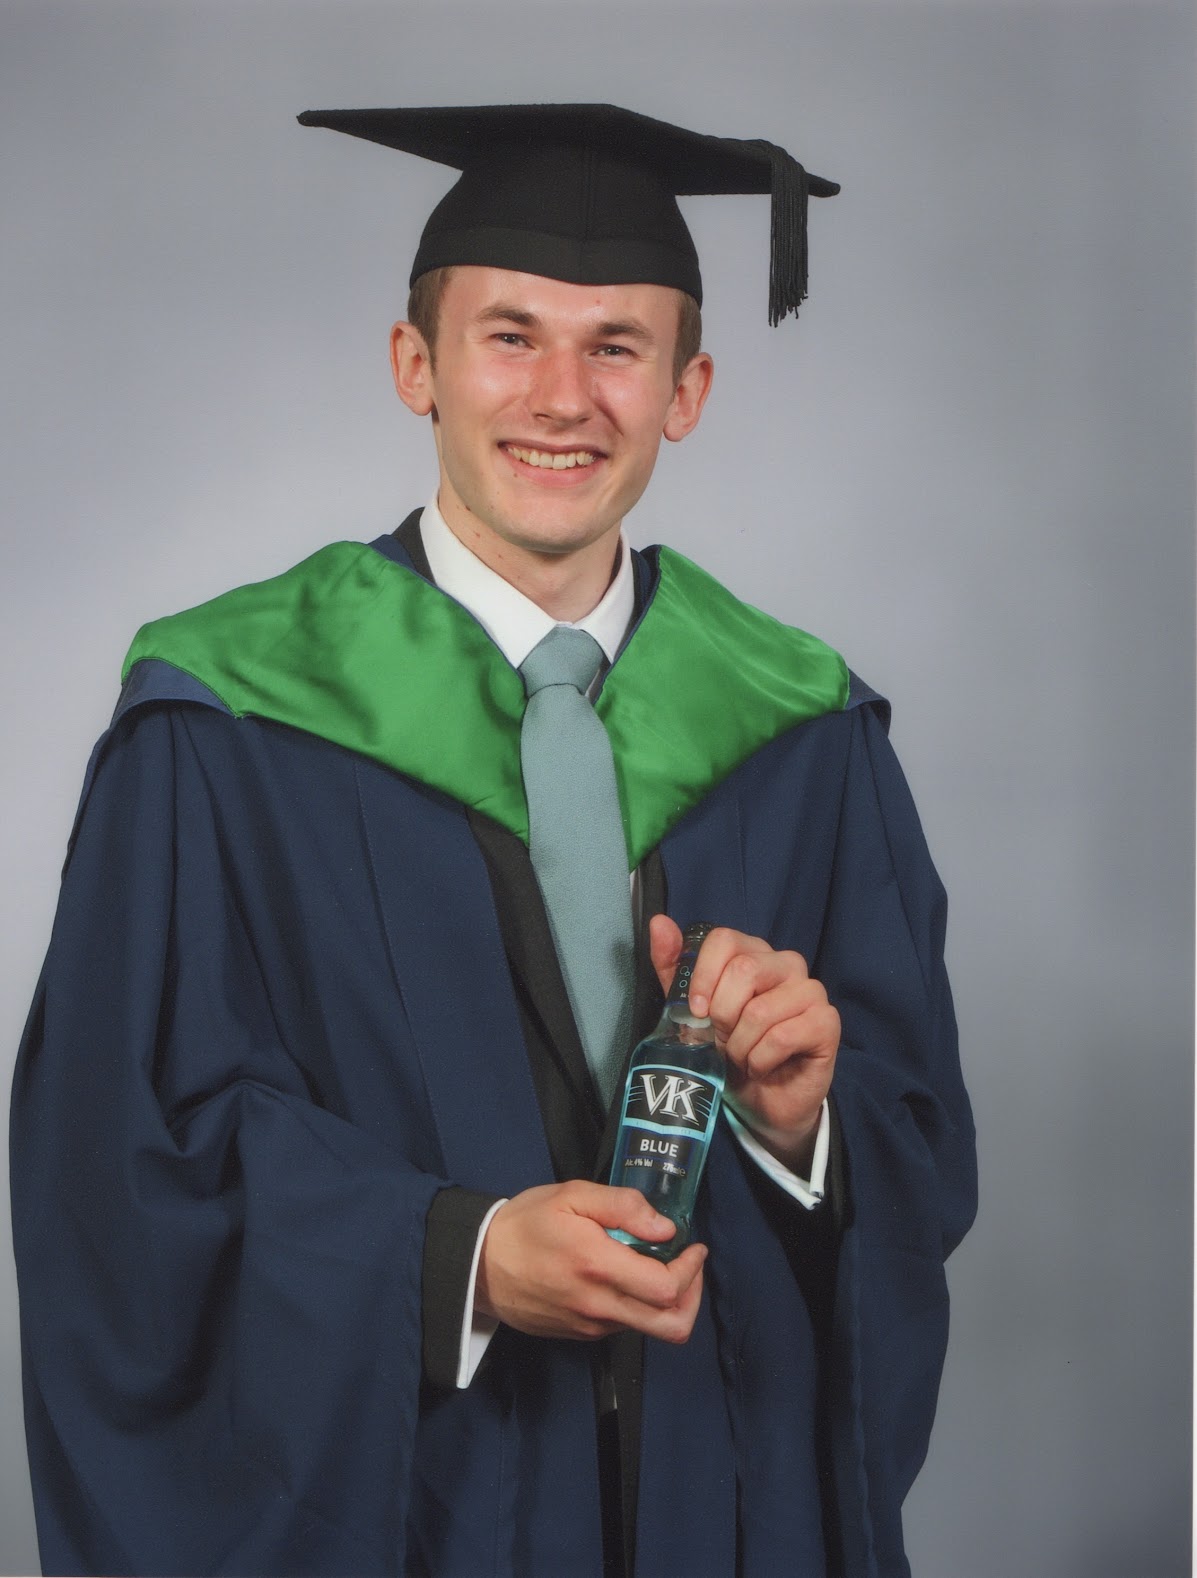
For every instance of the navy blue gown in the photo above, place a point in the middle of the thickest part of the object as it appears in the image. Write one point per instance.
(277, 1019)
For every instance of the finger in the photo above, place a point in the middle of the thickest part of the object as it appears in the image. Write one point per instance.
(675, 1325)
(619, 1287)
(754, 992)
(665, 948)
(794, 1014)
(688, 1266)
(810, 1037)
(672, 1322)
(719, 948)
(643, 1280)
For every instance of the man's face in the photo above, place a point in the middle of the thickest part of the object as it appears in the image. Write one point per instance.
(551, 402)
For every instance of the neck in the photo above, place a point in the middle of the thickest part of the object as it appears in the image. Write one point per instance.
(566, 585)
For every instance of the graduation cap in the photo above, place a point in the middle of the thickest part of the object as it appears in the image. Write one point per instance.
(587, 192)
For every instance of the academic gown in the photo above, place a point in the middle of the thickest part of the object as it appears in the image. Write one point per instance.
(279, 1018)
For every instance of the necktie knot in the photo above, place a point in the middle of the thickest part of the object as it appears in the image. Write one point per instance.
(564, 657)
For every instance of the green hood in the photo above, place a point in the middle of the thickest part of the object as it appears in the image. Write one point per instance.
(361, 651)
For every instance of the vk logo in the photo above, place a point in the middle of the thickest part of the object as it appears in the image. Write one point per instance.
(673, 1095)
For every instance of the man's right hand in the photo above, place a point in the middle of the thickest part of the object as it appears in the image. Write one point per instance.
(549, 1268)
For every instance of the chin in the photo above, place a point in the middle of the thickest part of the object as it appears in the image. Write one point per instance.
(547, 532)
(556, 544)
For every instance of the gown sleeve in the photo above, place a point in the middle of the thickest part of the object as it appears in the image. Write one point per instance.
(898, 1083)
(908, 1184)
(220, 1277)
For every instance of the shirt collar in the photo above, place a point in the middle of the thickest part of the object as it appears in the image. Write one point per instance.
(514, 622)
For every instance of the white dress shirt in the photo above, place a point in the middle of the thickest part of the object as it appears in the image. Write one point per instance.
(516, 624)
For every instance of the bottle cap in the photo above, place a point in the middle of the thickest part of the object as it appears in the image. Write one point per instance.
(679, 992)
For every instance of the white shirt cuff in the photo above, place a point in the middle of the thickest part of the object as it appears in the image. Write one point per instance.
(476, 1330)
(807, 1191)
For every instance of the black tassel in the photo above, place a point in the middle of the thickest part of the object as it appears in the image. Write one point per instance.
(787, 231)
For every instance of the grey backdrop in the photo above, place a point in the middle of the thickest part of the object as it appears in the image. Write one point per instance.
(970, 467)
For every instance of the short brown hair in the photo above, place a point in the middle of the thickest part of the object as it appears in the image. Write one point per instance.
(424, 305)
(424, 308)
(689, 333)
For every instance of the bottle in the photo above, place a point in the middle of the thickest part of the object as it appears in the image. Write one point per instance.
(670, 1104)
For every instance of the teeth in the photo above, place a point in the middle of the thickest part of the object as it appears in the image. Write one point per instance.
(542, 458)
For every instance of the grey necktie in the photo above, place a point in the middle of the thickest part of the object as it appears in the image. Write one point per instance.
(577, 844)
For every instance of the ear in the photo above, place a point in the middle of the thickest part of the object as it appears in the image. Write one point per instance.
(411, 367)
(689, 397)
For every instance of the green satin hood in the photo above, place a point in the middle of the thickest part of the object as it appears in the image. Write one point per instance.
(361, 651)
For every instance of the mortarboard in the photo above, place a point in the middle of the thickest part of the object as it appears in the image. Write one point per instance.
(587, 192)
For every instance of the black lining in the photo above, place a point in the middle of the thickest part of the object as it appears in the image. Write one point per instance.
(407, 534)
(565, 1089)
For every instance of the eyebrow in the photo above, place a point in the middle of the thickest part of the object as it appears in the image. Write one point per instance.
(613, 328)
(500, 312)
(625, 329)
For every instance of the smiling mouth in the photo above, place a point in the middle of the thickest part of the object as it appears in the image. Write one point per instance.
(548, 460)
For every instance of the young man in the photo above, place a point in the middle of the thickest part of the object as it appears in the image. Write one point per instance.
(317, 1095)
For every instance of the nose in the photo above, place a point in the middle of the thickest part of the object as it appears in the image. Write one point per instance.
(561, 392)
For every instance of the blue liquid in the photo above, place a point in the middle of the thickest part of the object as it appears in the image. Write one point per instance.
(671, 1104)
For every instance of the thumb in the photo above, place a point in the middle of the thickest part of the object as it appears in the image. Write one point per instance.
(616, 1206)
(665, 948)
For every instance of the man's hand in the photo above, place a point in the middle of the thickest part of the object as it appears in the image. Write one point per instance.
(773, 1024)
(549, 1268)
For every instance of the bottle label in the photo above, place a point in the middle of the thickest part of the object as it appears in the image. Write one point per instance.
(670, 1099)
(662, 1153)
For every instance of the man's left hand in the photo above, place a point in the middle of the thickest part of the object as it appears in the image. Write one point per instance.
(774, 1026)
